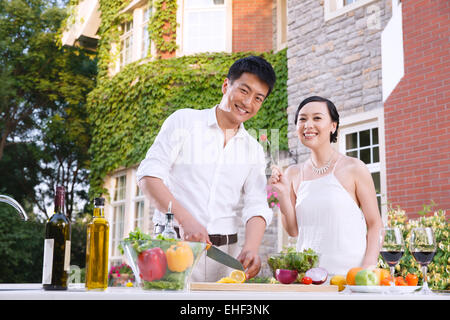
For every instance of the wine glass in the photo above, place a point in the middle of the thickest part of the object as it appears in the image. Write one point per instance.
(392, 248)
(423, 247)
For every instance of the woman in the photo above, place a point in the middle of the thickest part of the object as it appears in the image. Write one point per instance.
(329, 201)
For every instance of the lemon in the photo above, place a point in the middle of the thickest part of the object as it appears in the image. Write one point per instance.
(238, 275)
(227, 280)
(338, 280)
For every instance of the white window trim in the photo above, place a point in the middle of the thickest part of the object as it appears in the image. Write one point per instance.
(129, 34)
(134, 199)
(281, 45)
(359, 121)
(329, 13)
(228, 27)
(113, 205)
(138, 8)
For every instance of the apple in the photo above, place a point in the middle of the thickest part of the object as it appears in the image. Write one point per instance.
(366, 277)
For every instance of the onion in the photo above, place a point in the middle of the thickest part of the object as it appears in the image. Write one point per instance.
(286, 276)
(318, 275)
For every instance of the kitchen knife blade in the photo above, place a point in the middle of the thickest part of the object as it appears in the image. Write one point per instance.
(224, 258)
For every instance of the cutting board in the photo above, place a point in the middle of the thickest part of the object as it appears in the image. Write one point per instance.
(268, 287)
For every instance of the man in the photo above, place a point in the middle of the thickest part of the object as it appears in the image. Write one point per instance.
(204, 160)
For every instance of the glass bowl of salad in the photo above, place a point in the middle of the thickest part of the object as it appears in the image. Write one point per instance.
(159, 263)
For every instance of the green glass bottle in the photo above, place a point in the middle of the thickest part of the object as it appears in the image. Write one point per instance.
(55, 273)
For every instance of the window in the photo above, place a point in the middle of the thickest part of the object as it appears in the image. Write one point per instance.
(336, 8)
(118, 213)
(145, 43)
(126, 43)
(138, 221)
(205, 26)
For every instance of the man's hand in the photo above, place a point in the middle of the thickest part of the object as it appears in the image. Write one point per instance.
(249, 256)
(251, 262)
(192, 230)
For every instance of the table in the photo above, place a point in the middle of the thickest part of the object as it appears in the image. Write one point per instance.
(77, 292)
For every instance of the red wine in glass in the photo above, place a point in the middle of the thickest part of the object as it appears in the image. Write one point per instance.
(423, 258)
(392, 257)
(423, 247)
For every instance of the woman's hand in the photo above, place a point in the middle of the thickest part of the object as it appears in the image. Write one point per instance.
(279, 181)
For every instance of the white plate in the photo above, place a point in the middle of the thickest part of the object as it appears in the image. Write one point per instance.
(369, 289)
(384, 289)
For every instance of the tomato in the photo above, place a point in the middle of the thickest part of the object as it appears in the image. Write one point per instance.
(306, 280)
(152, 264)
(399, 281)
(412, 279)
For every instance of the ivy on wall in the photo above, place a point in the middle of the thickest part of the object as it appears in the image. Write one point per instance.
(127, 110)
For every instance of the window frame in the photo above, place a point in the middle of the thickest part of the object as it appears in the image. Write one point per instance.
(123, 37)
(137, 198)
(115, 204)
(282, 18)
(336, 8)
(181, 25)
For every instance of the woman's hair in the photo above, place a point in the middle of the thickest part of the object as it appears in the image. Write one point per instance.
(255, 65)
(331, 110)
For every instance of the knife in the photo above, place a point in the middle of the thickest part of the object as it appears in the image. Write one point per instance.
(223, 258)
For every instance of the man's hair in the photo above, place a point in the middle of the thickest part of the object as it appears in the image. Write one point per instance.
(255, 65)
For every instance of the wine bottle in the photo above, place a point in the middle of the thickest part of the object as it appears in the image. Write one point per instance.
(97, 249)
(55, 273)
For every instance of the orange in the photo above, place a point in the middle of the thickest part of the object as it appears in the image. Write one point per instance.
(400, 281)
(351, 275)
(238, 275)
(386, 282)
(411, 279)
(381, 274)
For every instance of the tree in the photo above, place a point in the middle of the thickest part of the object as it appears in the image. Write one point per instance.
(27, 77)
(43, 89)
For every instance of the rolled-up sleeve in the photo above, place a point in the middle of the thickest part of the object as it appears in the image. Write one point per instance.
(255, 194)
(164, 150)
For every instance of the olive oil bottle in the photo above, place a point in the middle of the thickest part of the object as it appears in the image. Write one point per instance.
(55, 273)
(97, 249)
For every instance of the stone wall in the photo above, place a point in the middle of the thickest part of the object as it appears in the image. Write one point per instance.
(339, 59)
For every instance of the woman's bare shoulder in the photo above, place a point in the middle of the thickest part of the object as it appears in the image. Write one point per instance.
(352, 165)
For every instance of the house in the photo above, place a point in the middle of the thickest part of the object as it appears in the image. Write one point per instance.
(382, 62)
(229, 26)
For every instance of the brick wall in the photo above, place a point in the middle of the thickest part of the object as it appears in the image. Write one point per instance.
(252, 25)
(417, 113)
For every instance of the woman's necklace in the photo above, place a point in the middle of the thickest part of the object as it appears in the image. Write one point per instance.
(323, 169)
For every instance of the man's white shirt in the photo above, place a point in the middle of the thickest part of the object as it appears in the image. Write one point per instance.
(205, 177)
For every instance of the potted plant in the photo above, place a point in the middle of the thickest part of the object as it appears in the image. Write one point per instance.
(120, 275)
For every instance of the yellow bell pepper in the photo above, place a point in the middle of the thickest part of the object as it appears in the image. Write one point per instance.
(179, 257)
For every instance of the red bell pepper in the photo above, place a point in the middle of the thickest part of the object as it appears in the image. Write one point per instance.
(152, 264)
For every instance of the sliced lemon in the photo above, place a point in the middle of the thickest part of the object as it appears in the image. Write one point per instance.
(226, 280)
(238, 275)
